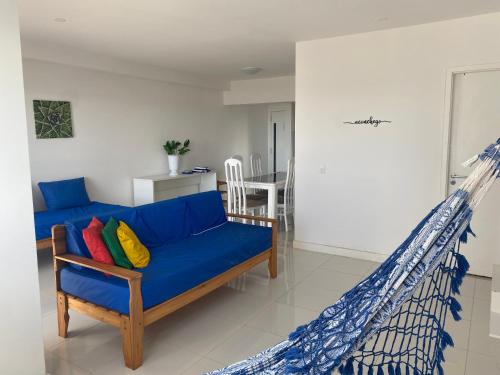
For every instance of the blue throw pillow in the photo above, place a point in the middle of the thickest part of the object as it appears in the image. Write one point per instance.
(64, 193)
(74, 239)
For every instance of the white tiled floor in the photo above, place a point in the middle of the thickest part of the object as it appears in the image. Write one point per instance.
(250, 314)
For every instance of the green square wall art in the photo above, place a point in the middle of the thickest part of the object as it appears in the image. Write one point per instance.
(52, 119)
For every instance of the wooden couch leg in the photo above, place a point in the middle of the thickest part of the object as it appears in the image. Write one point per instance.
(132, 327)
(273, 267)
(62, 314)
(273, 259)
(132, 343)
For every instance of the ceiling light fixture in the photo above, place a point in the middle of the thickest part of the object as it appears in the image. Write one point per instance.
(60, 19)
(251, 70)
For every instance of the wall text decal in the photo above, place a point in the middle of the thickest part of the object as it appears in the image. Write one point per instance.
(371, 121)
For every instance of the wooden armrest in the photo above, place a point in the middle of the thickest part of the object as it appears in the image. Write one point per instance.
(120, 272)
(256, 218)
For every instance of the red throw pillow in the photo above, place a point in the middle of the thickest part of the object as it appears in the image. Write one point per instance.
(95, 223)
(93, 239)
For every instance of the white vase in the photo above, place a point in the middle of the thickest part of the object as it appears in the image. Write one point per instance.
(173, 164)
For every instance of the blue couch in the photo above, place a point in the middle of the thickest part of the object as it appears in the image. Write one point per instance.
(45, 220)
(194, 249)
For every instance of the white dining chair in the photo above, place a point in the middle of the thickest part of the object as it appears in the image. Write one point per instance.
(256, 170)
(251, 193)
(256, 164)
(238, 157)
(237, 199)
(286, 202)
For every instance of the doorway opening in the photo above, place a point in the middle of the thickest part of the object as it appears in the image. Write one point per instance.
(473, 123)
(281, 136)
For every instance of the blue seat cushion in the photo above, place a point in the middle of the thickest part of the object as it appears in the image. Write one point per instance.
(167, 219)
(205, 210)
(64, 193)
(174, 268)
(44, 220)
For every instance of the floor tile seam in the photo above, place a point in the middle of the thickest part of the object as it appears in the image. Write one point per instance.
(71, 363)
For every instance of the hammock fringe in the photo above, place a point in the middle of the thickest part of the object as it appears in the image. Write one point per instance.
(455, 308)
(293, 354)
(462, 263)
(461, 268)
(360, 368)
(446, 340)
(390, 369)
(463, 237)
(348, 367)
(440, 369)
(297, 333)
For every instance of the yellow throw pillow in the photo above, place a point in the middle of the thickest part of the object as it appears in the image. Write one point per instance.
(135, 251)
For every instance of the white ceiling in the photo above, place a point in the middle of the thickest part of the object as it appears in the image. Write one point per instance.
(218, 37)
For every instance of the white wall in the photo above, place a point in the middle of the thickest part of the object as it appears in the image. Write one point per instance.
(379, 181)
(258, 131)
(62, 54)
(249, 124)
(120, 123)
(261, 90)
(20, 315)
(238, 138)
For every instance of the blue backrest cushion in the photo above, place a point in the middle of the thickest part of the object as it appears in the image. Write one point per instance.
(205, 210)
(64, 193)
(74, 238)
(167, 219)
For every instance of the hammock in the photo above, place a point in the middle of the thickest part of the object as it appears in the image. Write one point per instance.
(392, 322)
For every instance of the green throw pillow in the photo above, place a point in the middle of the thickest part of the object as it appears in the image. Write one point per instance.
(111, 240)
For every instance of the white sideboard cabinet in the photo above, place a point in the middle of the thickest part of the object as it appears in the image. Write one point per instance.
(151, 189)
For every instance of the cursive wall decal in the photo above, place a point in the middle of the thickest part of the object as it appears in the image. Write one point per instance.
(371, 121)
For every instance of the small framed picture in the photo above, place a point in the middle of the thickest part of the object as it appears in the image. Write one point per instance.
(52, 119)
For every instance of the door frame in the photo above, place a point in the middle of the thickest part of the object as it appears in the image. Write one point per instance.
(276, 107)
(448, 115)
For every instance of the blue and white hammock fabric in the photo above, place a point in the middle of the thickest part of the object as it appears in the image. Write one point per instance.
(392, 322)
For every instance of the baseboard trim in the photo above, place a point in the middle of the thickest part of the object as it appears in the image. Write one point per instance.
(341, 251)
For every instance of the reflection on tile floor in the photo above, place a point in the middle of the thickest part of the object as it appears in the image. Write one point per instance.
(250, 314)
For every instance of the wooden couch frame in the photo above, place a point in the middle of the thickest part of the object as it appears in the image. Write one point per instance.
(44, 243)
(132, 325)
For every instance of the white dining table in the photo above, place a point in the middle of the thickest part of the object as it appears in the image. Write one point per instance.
(272, 183)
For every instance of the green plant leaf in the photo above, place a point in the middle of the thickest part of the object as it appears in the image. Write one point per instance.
(172, 147)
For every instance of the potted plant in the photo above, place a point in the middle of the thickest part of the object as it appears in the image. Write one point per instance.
(174, 149)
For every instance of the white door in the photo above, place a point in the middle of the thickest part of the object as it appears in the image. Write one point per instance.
(476, 124)
(280, 136)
